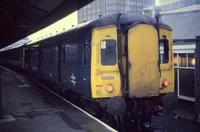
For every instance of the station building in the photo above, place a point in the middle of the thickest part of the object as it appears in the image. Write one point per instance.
(183, 16)
(185, 23)
(102, 7)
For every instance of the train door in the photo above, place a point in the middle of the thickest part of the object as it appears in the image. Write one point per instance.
(143, 61)
(105, 77)
(166, 55)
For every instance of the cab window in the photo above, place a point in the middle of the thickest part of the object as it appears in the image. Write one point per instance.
(108, 52)
(164, 51)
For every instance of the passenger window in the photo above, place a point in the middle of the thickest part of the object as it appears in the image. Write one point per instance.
(56, 53)
(164, 51)
(108, 52)
(71, 52)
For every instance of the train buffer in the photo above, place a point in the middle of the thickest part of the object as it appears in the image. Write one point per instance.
(36, 110)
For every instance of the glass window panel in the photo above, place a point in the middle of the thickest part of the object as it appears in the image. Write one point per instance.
(71, 51)
(191, 60)
(182, 60)
(175, 60)
(56, 53)
(187, 82)
(108, 52)
(164, 51)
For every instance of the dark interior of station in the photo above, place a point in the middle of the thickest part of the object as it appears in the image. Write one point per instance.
(20, 18)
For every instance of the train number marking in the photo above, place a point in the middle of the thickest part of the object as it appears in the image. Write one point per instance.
(107, 77)
(73, 78)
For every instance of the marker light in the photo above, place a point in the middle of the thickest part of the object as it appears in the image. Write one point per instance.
(165, 83)
(109, 88)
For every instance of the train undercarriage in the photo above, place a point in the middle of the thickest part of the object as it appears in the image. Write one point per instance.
(136, 115)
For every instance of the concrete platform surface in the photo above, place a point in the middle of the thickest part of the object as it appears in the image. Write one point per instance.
(38, 111)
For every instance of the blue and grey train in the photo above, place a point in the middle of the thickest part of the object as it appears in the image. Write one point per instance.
(113, 61)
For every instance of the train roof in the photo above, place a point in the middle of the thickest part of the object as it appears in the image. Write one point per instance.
(106, 20)
(125, 18)
(17, 44)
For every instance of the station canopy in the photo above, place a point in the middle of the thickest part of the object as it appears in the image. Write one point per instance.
(20, 18)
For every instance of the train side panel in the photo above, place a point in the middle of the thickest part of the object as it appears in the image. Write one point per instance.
(66, 61)
(75, 62)
(16, 58)
(33, 60)
(49, 61)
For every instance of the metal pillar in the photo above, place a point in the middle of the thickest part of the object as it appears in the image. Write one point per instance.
(1, 111)
(197, 76)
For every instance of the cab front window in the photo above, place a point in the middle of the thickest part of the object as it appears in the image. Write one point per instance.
(108, 52)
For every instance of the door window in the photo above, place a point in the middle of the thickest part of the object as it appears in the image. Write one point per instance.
(164, 51)
(108, 52)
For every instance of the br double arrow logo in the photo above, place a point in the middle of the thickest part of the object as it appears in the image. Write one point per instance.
(73, 78)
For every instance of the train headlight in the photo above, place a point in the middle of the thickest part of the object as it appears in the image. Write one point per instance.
(109, 88)
(165, 83)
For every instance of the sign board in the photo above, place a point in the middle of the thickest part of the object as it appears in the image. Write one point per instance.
(167, 2)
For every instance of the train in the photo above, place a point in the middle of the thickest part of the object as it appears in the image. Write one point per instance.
(120, 62)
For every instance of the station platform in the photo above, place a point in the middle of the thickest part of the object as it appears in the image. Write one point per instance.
(33, 110)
